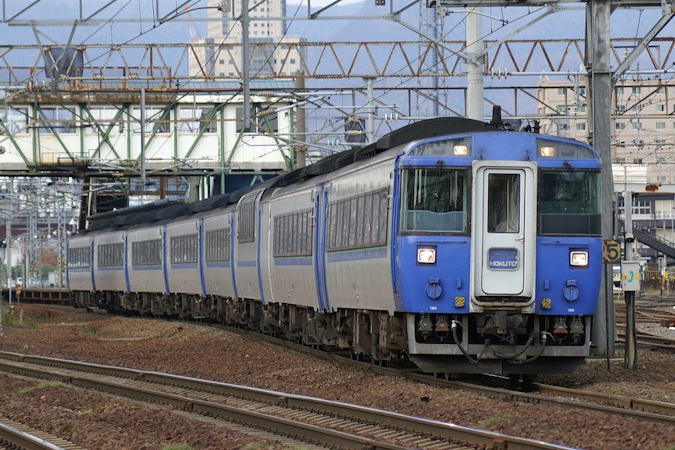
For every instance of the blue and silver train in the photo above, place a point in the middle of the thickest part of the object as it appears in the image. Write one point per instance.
(451, 243)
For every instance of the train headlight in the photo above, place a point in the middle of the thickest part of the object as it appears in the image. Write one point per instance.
(426, 255)
(579, 258)
(547, 151)
(460, 150)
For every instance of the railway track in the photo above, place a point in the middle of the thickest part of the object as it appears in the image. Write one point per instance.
(322, 422)
(651, 313)
(15, 436)
(644, 410)
(503, 389)
(647, 339)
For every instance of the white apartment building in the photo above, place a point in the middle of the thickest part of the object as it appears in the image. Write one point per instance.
(272, 53)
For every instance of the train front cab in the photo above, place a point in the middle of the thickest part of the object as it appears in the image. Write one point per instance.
(509, 285)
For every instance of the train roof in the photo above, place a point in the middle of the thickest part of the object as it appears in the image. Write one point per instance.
(164, 210)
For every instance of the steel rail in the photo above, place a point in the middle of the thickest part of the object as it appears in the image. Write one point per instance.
(17, 436)
(644, 409)
(35, 367)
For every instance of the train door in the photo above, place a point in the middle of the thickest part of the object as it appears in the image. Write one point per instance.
(504, 229)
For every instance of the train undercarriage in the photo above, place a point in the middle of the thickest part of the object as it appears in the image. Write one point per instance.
(498, 342)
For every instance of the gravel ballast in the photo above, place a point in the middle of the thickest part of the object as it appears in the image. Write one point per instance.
(99, 421)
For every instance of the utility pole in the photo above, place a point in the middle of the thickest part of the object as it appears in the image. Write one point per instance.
(245, 69)
(600, 90)
(300, 125)
(474, 75)
(8, 249)
(143, 180)
(370, 125)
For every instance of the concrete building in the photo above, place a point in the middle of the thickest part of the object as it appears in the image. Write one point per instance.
(272, 53)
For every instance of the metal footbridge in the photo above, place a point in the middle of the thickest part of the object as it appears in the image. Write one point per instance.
(647, 237)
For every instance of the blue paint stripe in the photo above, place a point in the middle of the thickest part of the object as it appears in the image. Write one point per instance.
(149, 267)
(111, 269)
(223, 264)
(357, 255)
(293, 261)
(176, 266)
(165, 261)
(126, 261)
(93, 276)
(246, 264)
(202, 274)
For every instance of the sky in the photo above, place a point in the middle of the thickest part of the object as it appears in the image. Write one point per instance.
(497, 21)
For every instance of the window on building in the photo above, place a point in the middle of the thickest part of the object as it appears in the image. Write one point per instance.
(191, 119)
(660, 125)
(642, 207)
(561, 109)
(639, 206)
(620, 109)
(636, 125)
(104, 118)
(156, 120)
(619, 90)
(619, 125)
(56, 119)
(15, 120)
(635, 89)
(581, 126)
(262, 123)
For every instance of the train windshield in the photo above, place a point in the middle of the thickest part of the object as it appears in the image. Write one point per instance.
(434, 200)
(569, 202)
